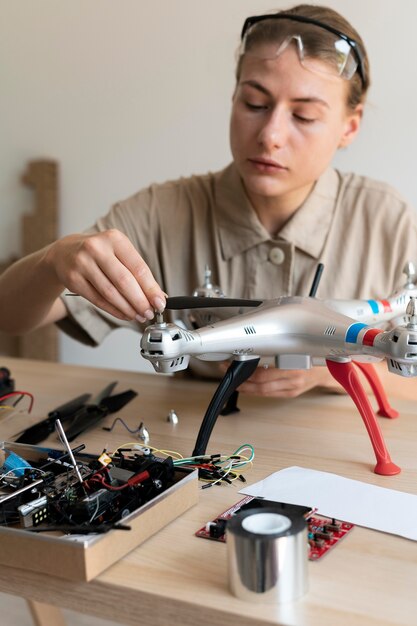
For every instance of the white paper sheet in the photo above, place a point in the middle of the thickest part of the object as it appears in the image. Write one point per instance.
(342, 498)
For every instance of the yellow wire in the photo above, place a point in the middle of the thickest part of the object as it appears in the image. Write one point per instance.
(136, 443)
(231, 474)
(129, 443)
(169, 453)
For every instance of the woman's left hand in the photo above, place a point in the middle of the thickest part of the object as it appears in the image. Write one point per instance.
(269, 381)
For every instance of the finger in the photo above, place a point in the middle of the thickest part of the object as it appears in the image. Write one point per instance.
(141, 273)
(120, 262)
(251, 386)
(288, 386)
(262, 374)
(117, 285)
(88, 291)
(269, 391)
(93, 274)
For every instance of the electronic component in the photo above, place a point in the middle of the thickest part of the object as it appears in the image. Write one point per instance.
(34, 513)
(323, 533)
(217, 528)
(77, 491)
(7, 384)
(14, 463)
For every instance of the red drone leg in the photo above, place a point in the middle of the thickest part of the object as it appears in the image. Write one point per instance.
(384, 407)
(346, 375)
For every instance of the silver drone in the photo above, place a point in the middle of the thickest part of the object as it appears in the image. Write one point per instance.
(299, 332)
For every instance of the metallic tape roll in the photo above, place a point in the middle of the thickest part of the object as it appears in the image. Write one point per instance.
(267, 555)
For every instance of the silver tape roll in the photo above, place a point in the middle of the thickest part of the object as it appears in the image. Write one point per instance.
(267, 555)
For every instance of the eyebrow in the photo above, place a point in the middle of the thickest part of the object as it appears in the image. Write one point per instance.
(264, 90)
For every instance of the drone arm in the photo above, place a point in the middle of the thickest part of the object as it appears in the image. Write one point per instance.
(237, 373)
(346, 375)
(370, 373)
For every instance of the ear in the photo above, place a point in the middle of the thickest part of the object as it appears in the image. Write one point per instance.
(352, 126)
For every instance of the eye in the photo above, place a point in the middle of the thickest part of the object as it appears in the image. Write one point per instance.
(303, 119)
(255, 107)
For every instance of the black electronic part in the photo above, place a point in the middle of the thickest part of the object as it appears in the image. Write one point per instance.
(334, 526)
(322, 534)
(317, 542)
(104, 496)
(217, 528)
(7, 384)
(93, 506)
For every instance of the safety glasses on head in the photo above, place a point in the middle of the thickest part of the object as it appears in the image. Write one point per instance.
(268, 36)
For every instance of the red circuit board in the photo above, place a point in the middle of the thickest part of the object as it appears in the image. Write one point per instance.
(323, 533)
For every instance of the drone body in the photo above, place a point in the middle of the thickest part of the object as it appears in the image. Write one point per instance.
(297, 332)
(376, 311)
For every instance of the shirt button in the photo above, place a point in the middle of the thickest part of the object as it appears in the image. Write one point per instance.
(276, 256)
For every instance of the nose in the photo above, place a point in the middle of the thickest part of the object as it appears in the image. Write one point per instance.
(274, 131)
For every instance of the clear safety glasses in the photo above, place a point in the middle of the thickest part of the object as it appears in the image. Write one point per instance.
(267, 36)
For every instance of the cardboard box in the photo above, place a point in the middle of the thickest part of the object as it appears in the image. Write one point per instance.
(82, 558)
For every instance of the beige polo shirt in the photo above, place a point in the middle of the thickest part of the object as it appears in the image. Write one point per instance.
(362, 230)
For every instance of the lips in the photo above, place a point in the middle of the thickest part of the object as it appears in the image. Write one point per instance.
(266, 164)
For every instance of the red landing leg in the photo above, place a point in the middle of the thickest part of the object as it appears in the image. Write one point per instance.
(384, 407)
(346, 375)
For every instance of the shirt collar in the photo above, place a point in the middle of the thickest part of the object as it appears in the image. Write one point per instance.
(240, 228)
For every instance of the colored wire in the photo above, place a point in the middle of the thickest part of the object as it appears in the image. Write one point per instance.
(134, 444)
(21, 394)
(119, 419)
(95, 512)
(32, 469)
(138, 446)
(213, 468)
(222, 477)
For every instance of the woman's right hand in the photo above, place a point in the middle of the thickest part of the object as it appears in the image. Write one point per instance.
(106, 269)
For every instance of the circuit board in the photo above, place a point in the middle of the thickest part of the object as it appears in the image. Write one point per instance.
(323, 533)
(42, 489)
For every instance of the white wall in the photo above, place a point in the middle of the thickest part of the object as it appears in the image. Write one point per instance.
(127, 93)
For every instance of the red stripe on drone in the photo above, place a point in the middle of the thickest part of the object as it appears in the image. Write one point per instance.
(386, 305)
(369, 336)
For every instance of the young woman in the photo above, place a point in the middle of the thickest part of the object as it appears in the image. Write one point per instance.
(262, 224)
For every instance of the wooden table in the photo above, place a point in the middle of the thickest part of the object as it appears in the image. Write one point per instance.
(176, 578)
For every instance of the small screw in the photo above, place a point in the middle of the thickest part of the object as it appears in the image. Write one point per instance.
(172, 417)
(143, 433)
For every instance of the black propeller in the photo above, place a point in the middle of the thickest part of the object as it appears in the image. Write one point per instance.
(201, 302)
(90, 415)
(40, 431)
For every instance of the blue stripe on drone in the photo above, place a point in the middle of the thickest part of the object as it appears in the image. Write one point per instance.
(353, 332)
(374, 306)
